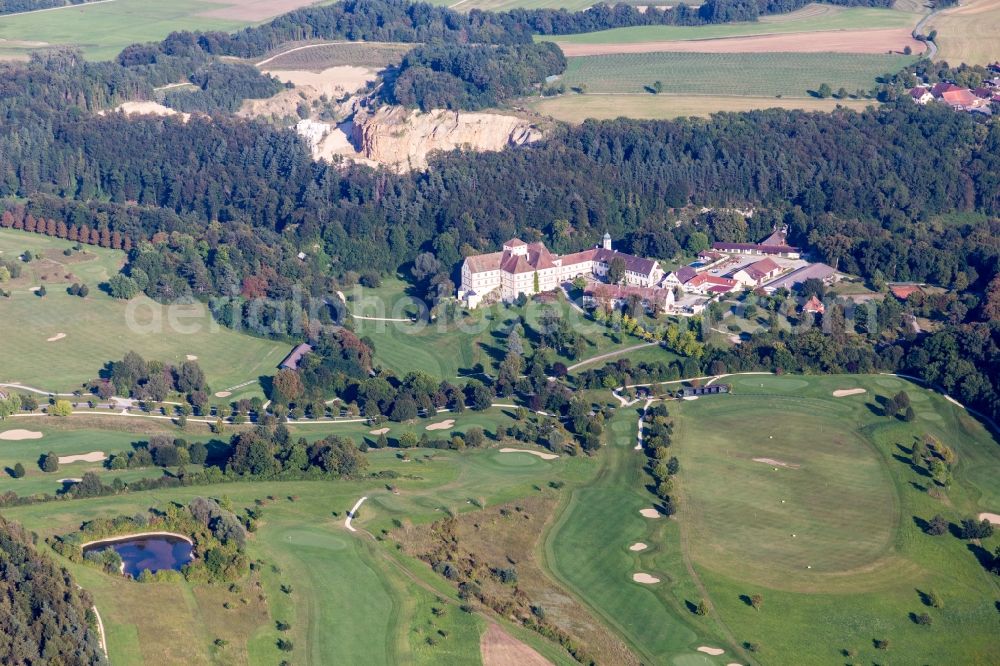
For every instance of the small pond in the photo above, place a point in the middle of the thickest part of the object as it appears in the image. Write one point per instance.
(147, 552)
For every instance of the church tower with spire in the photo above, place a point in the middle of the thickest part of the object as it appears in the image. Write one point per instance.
(607, 241)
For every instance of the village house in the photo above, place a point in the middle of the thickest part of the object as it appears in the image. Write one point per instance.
(921, 95)
(651, 298)
(814, 306)
(529, 268)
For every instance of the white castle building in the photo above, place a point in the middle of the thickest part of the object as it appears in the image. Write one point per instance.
(529, 268)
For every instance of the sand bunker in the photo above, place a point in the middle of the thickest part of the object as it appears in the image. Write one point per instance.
(715, 652)
(18, 435)
(57, 336)
(638, 546)
(776, 463)
(443, 425)
(649, 513)
(992, 517)
(70, 480)
(540, 454)
(843, 393)
(378, 431)
(223, 394)
(645, 578)
(93, 456)
(832, 41)
(191, 357)
(691, 397)
(332, 82)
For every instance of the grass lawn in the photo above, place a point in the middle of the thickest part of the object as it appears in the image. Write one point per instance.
(476, 343)
(350, 599)
(99, 328)
(854, 18)
(739, 74)
(855, 568)
(317, 57)
(577, 108)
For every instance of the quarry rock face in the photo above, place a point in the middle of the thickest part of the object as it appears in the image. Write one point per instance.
(403, 139)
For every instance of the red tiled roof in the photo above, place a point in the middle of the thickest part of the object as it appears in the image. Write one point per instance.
(633, 264)
(766, 266)
(943, 87)
(983, 92)
(960, 97)
(515, 242)
(814, 305)
(705, 278)
(918, 92)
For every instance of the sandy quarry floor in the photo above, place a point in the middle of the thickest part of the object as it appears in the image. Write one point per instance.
(992, 517)
(649, 513)
(378, 431)
(149, 109)
(93, 456)
(18, 435)
(645, 578)
(498, 648)
(843, 393)
(715, 652)
(57, 336)
(540, 454)
(638, 546)
(833, 41)
(443, 425)
(776, 463)
(332, 82)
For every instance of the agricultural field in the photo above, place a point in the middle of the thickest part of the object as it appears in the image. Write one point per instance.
(71, 337)
(577, 108)
(504, 5)
(743, 74)
(102, 30)
(318, 57)
(813, 18)
(968, 33)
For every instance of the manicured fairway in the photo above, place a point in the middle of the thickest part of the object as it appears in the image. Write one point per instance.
(852, 502)
(734, 74)
(98, 329)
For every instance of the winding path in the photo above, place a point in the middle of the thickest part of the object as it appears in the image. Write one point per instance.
(352, 512)
(610, 354)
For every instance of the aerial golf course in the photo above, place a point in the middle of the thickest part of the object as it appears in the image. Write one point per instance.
(786, 490)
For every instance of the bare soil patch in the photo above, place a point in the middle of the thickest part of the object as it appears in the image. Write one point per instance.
(93, 456)
(57, 336)
(540, 454)
(333, 81)
(18, 435)
(843, 393)
(649, 513)
(441, 425)
(149, 109)
(776, 463)
(499, 648)
(645, 578)
(832, 41)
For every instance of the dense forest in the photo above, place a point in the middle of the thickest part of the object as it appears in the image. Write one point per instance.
(45, 617)
(18, 6)
(449, 76)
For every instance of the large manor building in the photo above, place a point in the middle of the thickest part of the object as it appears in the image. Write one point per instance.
(529, 268)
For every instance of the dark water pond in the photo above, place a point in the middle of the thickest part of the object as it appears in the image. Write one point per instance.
(142, 553)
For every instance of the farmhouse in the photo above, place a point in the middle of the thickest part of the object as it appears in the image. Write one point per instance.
(814, 306)
(786, 251)
(757, 273)
(529, 268)
(291, 361)
(921, 95)
(651, 298)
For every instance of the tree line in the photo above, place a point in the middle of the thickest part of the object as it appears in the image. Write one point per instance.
(19, 6)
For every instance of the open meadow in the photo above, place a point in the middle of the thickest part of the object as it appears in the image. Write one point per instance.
(71, 338)
(737, 74)
(968, 32)
(318, 57)
(102, 30)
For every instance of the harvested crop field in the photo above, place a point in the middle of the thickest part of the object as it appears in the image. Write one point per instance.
(968, 33)
(317, 57)
(730, 74)
(253, 10)
(834, 41)
(499, 648)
